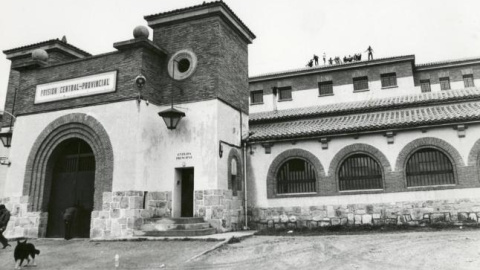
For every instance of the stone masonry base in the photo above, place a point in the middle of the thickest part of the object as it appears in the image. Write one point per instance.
(23, 223)
(461, 211)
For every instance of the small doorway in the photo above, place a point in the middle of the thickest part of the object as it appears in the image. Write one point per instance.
(186, 192)
(72, 186)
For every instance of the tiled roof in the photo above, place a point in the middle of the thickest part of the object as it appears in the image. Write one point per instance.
(328, 67)
(192, 8)
(9, 51)
(422, 99)
(375, 121)
(446, 62)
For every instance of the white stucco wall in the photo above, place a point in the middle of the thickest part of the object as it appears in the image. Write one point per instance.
(4, 152)
(310, 97)
(261, 163)
(145, 151)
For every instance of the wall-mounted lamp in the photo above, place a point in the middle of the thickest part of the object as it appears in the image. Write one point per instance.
(6, 136)
(220, 149)
(171, 117)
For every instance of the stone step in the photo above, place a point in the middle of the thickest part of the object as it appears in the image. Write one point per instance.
(186, 220)
(154, 226)
(178, 233)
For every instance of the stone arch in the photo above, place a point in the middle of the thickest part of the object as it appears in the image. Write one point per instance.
(37, 180)
(284, 156)
(474, 155)
(234, 153)
(358, 148)
(428, 142)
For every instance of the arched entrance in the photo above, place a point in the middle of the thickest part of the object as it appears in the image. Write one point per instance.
(73, 185)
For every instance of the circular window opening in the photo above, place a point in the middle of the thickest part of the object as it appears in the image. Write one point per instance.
(183, 65)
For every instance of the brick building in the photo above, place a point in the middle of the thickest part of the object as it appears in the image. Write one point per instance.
(377, 141)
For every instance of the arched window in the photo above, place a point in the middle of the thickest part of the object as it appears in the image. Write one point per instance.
(429, 167)
(296, 176)
(359, 172)
(233, 176)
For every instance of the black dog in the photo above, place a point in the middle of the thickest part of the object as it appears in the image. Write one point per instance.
(23, 251)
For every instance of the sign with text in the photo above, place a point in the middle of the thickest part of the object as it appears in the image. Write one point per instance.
(78, 87)
(184, 156)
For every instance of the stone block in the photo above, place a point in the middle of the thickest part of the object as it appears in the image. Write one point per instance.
(119, 193)
(96, 233)
(212, 200)
(335, 221)
(330, 211)
(32, 233)
(124, 202)
(376, 216)
(378, 221)
(198, 195)
(369, 209)
(99, 223)
(115, 213)
(366, 219)
(358, 219)
(343, 221)
(360, 211)
(136, 202)
(473, 217)
(437, 217)
(134, 193)
(324, 223)
(104, 214)
(107, 197)
(156, 195)
(462, 216)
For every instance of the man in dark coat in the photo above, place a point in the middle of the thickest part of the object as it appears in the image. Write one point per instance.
(4, 218)
(69, 217)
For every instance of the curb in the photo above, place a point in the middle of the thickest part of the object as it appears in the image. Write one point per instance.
(216, 247)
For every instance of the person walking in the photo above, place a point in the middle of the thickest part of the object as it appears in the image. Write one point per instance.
(4, 218)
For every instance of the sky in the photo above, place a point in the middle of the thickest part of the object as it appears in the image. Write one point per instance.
(288, 32)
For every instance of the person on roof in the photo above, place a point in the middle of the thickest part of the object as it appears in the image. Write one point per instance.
(370, 53)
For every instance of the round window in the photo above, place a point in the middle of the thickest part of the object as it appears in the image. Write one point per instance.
(182, 64)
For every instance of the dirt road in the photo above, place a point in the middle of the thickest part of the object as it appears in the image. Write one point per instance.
(411, 250)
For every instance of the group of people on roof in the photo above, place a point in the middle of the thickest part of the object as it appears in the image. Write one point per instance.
(337, 60)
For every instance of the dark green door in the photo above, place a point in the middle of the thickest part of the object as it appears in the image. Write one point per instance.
(72, 185)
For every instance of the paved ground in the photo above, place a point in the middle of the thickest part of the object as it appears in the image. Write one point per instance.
(408, 250)
(456, 249)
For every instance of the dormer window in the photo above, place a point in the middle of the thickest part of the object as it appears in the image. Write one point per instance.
(389, 80)
(468, 80)
(256, 97)
(285, 93)
(445, 83)
(360, 83)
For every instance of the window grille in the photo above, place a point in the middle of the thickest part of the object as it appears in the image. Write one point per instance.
(468, 80)
(233, 176)
(296, 176)
(425, 86)
(429, 167)
(359, 172)
(389, 79)
(445, 83)
(360, 83)
(285, 93)
(325, 88)
(256, 97)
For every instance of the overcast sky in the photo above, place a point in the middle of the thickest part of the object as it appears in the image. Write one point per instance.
(288, 32)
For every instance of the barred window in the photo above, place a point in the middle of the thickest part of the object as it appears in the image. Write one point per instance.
(325, 88)
(425, 86)
(389, 79)
(296, 176)
(445, 83)
(468, 80)
(429, 167)
(256, 97)
(360, 83)
(285, 93)
(233, 176)
(359, 172)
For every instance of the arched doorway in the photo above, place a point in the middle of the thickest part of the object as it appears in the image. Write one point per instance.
(73, 179)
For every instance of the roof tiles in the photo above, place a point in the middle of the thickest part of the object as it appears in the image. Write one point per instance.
(413, 117)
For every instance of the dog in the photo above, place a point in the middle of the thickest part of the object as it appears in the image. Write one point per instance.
(23, 251)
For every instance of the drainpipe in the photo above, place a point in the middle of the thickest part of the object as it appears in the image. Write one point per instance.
(245, 181)
(274, 95)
